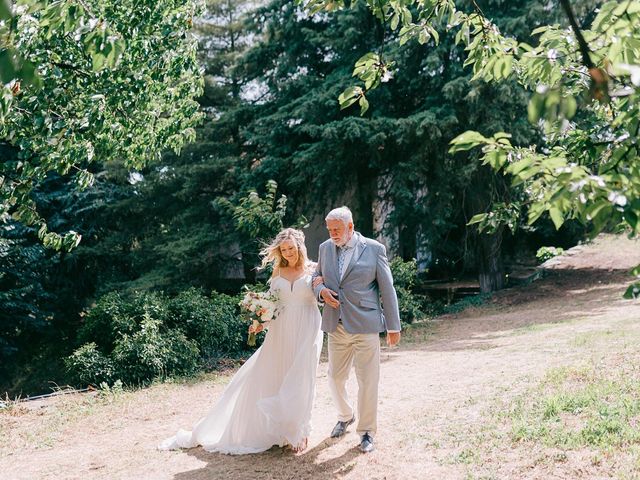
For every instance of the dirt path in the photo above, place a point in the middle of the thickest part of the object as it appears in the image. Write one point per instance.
(441, 393)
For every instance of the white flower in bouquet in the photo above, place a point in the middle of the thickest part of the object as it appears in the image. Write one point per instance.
(261, 307)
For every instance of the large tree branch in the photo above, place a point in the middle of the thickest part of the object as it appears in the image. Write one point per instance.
(582, 43)
(599, 77)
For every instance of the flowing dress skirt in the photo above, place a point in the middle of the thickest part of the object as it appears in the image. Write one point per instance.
(268, 402)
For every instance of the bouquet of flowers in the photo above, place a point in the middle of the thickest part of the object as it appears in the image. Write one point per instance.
(260, 308)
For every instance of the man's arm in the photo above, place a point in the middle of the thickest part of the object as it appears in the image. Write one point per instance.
(318, 273)
(324, 294)
(388, 293)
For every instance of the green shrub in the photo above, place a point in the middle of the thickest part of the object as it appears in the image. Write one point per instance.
(115, 315)
(150, 353)
(87, 365)
(404, 273)
(228, 313)
(470, 301)
(107, 392)
(144, 336)
(545, 253)
(214, 323)
(412, 305)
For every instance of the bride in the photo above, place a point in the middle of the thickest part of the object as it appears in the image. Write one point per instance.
(268, 401)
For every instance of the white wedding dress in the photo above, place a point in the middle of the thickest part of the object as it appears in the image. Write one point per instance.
(268, 401)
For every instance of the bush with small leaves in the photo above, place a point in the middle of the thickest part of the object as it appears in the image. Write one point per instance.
(545, 253)
(88, 365)
(412, 305)
(152, 353)
(213, 322)
(144, 336)
(115, 315)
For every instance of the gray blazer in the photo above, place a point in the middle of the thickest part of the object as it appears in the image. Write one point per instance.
(365, 280)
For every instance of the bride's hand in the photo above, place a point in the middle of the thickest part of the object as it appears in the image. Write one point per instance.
(256, 328)
(317, 281)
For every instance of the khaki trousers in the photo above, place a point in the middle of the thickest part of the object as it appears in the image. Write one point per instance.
(363, 350)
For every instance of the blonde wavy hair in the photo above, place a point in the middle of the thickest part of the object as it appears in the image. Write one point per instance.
(271, 253)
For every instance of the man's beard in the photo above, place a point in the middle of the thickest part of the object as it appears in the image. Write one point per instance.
(342, 241)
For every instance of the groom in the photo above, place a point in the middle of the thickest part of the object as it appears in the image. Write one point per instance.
(355, 274)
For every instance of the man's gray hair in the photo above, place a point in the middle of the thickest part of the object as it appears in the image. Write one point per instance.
(341, 213)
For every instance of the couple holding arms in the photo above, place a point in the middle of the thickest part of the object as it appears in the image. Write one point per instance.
(268, 401)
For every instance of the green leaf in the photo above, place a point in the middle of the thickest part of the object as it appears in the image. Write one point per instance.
(369, 57)
(535, 212)
(480, 217)
(406, 16)
(631, 218)
(395, 20)
(519, 166)
(594, 209)
(348, 94)
(364, 105)
(5, 10)
(423, 36)
(496, 158)
(8, 67)
(467, 141)
(622, 8)
(568, 107)
(556, 217)
(406, 33)
(501, 137)
(507, 67)
(633, 291)
(98, 62)
(539, 30)
(349, 97)
(535, 108)
(435, 35)
(497, 68)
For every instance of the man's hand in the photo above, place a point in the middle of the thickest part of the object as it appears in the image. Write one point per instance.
(317, 281)
(330, 297)
(393, 338)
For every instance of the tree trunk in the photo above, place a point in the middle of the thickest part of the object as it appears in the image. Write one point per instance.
(365, 195)
(488, 247)
(490, 267)
(382, 208)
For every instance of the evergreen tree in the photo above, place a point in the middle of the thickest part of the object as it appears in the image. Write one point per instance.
(397, 152)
